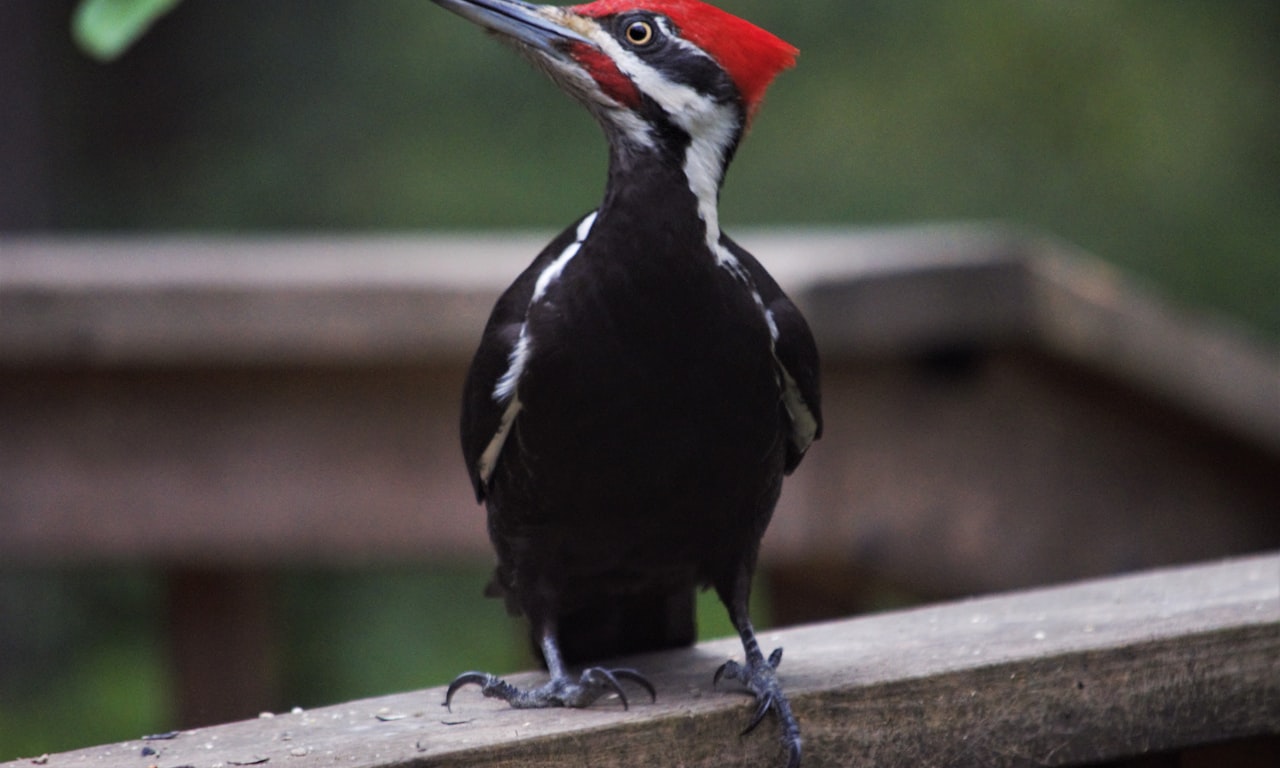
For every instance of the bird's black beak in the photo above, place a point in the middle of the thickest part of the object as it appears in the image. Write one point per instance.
(542, 27)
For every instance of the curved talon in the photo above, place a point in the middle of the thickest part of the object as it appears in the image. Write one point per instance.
(731, 668)
(638, 679)
(759, 677)
(599, 676)
(558, 692)
(481, 679)
(612, 679)
(766, 704)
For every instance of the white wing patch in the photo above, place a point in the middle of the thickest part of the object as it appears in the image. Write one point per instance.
(506, 386)
(804, 427)
(489, 459)
(519, 357)
(767, 313)
(504, 391)
(552, 272)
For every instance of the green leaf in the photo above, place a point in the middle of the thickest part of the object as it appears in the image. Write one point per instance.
(105, 29)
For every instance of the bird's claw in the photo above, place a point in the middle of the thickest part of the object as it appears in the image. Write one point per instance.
(612, 678)
(491, 686)
(761, 679)
(558, 692)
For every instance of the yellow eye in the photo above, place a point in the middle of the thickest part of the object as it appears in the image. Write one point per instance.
(639, 33)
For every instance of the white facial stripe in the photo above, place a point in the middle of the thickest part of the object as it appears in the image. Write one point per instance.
(577, 79)
(675, 98)
(710, 125)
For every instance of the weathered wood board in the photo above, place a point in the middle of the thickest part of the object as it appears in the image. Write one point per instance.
(1079, 673)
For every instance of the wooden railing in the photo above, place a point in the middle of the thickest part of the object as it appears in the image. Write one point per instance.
(1102, 670)
(273, 401)
(1002, 412)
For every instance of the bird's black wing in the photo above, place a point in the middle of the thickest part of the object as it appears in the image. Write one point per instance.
(482, 413)
(797, 356)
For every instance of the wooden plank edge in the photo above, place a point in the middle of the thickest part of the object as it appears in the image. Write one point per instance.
(1089, 671)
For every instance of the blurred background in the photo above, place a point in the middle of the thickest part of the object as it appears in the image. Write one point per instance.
(1143, 131)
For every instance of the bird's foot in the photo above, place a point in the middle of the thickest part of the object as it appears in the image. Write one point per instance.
(761, 679)
(558, 692)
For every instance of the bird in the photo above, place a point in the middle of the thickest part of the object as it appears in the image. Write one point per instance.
(642, 388)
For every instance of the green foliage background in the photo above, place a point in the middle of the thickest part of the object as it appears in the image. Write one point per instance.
(1143, 130)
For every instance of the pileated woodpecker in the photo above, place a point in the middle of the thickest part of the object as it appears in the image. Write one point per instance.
(641, 389)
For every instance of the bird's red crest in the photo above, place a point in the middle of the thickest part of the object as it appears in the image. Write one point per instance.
(751, 55)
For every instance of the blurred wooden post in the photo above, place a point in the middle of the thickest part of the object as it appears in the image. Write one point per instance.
(223, 645)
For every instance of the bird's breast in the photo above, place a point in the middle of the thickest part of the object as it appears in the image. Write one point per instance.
(650, 425)
(641, 383)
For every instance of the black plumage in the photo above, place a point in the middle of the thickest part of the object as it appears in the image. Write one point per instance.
(651, 441)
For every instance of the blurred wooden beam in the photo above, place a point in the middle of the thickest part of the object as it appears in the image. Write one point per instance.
(1001, 412)
(994, 399)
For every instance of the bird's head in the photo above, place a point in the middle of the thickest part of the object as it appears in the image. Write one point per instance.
(653, 72)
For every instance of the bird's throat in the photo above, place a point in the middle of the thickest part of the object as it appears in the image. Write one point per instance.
(672, 187)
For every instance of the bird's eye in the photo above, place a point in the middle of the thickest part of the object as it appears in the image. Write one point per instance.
(639, 33)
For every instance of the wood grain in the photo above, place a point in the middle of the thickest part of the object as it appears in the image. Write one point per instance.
(1091, 671)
